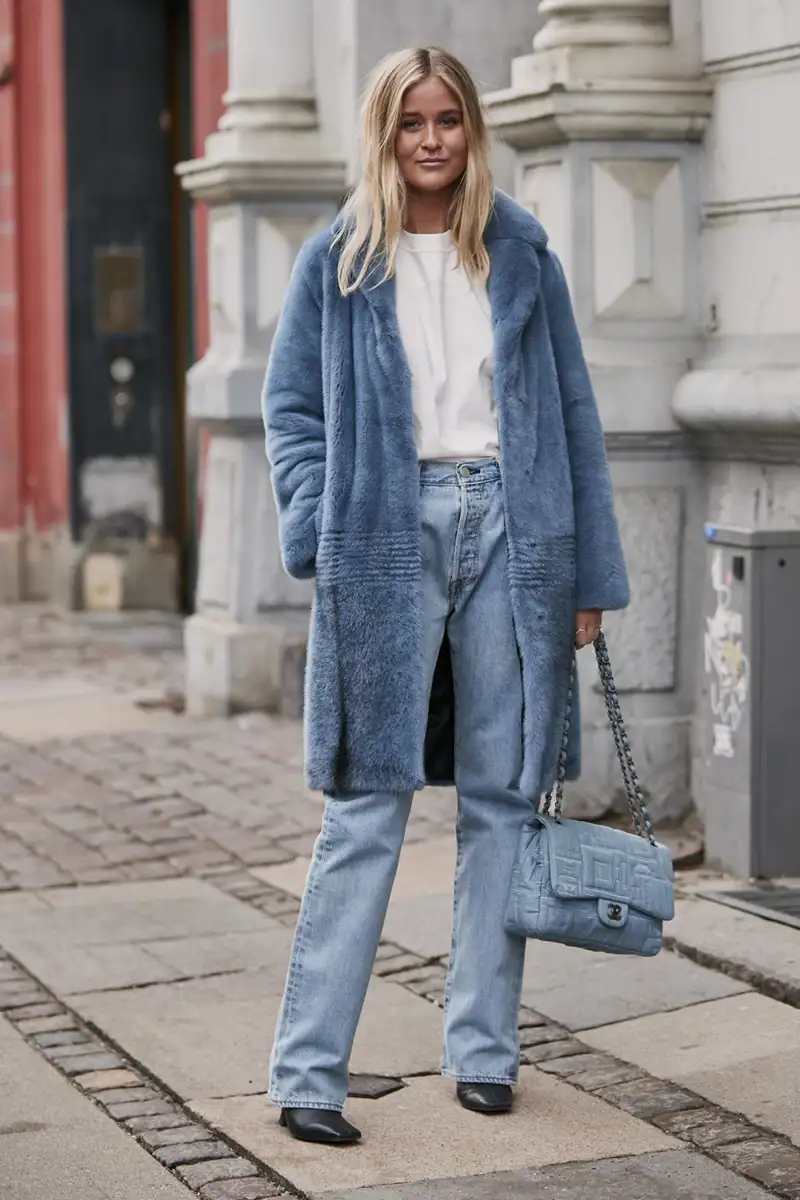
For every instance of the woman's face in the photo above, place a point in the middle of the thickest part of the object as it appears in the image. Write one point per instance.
(431, 143)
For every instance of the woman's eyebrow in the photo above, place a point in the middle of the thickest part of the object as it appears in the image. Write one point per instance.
(445, 112)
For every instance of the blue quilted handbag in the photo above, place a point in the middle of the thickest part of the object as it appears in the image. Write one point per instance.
(588, 885)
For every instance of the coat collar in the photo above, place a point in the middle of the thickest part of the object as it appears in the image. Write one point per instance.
(513, 238)
(511, 222)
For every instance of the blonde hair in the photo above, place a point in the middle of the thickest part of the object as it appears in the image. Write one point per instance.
(372, 217)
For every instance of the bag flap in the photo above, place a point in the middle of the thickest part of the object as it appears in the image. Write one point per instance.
(592, 862)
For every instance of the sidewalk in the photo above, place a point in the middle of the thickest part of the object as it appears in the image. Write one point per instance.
(150, 870)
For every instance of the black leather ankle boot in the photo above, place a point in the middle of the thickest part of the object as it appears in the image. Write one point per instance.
(319, 1125)
(485, 1097)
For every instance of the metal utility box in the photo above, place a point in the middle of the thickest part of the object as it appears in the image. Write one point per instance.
(748, 782)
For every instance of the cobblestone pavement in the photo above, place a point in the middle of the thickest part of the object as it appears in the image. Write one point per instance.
(150, 870)
(38, 642)
(145, 803)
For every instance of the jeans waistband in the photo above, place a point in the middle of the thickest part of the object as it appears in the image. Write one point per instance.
(469, 473)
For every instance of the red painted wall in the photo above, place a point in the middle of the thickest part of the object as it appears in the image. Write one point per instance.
(10, 403)
(33, 388)
(43, 295)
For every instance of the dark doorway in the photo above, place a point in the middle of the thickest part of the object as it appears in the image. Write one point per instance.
(128, 123)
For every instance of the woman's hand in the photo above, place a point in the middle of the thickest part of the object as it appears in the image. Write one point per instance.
(587, 626)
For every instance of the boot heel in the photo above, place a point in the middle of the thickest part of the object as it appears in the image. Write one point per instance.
(282, 1119)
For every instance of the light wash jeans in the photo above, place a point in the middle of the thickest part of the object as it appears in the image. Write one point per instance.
(465, 591)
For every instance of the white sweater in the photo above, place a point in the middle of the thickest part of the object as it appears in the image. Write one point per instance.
(446, 327)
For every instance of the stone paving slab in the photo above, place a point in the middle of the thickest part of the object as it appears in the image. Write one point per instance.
(217, 954)
(399, 1033)
(39, 720)
(421, 1132)
(20, 904)
(422, 925)
(668, 1175)
(762, 949)
(93, 917)
(99, 938)
(66, 966)
(582, 990)
(766, 1089)
(425, 869)
(54, 1143)
(742, 1052)
(16, 692)
(289, 877)
(421, 908)
(212, 1037)
(162, 890)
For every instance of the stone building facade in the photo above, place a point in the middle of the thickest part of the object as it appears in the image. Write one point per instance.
(655, 140)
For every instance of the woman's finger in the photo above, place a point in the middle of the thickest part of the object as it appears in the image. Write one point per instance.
(587, 627)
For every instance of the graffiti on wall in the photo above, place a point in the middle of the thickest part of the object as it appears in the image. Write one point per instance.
(726, 662)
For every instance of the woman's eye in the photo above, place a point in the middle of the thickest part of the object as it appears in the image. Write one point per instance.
(410, 123)
(450, 121)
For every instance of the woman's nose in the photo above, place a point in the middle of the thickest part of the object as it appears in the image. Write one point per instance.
(431, 138)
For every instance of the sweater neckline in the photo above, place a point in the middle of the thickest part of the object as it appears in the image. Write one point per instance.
(432, 243)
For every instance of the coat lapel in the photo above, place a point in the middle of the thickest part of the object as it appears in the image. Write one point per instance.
(381, 300)
(380, 294)
(514, 280)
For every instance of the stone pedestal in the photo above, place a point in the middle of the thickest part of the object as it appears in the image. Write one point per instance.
(271, 182)
(605, 115)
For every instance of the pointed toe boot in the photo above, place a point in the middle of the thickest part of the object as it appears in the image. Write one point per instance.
(486, 1098)
(321, 1125)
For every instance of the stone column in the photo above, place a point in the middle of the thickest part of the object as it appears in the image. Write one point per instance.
(741, 399)
(603, 23)
(606, 115)
(271, 69)
(271, 179)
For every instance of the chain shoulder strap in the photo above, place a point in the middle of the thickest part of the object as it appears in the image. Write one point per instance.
(633, 789)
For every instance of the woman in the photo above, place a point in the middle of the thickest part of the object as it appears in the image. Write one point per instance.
(439, 467)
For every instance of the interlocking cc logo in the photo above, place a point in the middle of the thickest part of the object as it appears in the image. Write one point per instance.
(614, 912)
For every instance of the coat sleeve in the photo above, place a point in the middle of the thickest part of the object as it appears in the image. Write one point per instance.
(294, 421)
(602, 579)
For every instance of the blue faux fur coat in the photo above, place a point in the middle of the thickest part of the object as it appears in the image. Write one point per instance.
(338, 417)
